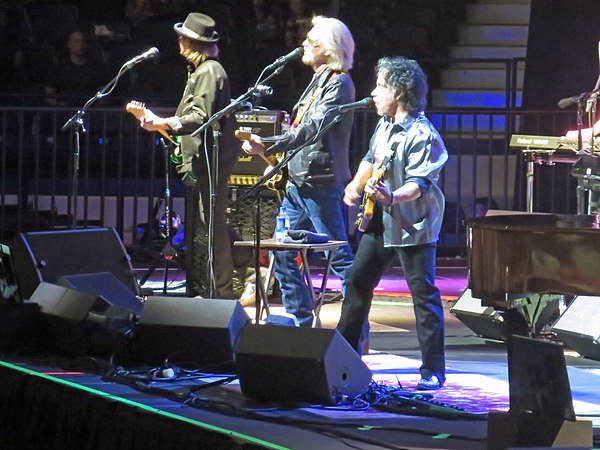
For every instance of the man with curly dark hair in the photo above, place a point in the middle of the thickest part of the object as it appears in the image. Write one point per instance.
(399, 174)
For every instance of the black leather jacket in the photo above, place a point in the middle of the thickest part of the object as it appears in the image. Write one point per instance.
(325, 162)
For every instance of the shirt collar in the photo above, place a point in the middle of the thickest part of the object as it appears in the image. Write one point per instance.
(404, 124)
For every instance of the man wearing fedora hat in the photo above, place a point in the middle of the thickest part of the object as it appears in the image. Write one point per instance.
(206, 92)
(320, 171)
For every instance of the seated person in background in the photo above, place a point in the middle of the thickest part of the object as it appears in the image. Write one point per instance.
(78, 76)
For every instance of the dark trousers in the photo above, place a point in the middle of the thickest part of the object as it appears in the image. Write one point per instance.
(197, 237)
(419, 264)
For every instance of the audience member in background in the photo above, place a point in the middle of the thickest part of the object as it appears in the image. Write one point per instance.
(408, 213)
(78, 75)
(269, 25)
(33, 59)
(298, 21)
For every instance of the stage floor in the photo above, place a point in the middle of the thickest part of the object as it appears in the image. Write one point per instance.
(477, 372)
(453, 418)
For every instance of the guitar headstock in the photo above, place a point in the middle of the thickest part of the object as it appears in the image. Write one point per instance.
(136, 108)
(243, 133)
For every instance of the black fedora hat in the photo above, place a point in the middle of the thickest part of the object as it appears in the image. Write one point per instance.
(198, 27)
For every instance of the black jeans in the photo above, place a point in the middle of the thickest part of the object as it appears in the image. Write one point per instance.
(196, 226)
(419, 265)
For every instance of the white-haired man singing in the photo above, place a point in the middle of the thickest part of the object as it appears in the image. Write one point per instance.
(319, 172)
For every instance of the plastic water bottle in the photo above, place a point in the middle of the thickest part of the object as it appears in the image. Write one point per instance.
(282, 224)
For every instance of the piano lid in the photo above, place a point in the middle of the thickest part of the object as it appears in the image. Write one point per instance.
(522, 221)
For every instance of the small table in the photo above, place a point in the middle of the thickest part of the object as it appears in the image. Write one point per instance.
(273, 245)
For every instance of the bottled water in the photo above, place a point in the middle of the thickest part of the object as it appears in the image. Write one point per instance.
(282, 224)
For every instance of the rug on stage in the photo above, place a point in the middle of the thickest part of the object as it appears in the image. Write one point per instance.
(471, 392)
(468, 392)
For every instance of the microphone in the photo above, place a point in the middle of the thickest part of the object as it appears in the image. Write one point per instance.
(283, 60)
(567, 101)
(263, 89)
(366, 102)
(151, 53)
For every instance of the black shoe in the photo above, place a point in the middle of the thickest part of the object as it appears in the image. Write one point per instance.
(432, 383)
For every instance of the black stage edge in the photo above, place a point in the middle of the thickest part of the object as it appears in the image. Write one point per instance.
(42, 411)
(63, 406)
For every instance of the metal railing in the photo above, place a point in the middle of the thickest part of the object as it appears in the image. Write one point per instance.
(121, 182)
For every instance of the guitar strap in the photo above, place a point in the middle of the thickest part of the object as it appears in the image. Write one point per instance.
(391, 154)
(317, 87)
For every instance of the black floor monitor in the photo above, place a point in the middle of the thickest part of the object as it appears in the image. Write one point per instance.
(538, 378)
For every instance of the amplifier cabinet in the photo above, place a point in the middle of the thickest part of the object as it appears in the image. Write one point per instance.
(263, 123)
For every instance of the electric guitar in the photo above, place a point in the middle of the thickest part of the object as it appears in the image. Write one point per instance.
(367, 206)
(276, 182)
(139, 110)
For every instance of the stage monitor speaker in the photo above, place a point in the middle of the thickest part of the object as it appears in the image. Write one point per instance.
(8, 278)
(297, 364)
(76, 323)
(541, 410)
(108, 287)
(195, 332)
(48, 255)
(534, 310)
(579, 326)
(61, 301)
(484, 321)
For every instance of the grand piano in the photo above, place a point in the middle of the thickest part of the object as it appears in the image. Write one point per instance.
(516, 254)
(512, 255)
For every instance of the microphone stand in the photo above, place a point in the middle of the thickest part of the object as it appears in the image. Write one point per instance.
(168, 252)
(256, 190)
(76, 125)
(213, 122)
(591, 109)
(581, 100)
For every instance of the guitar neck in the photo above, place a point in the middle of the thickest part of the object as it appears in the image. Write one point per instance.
(139, 110)
(367, 206)
(245, 136)
(167, 137)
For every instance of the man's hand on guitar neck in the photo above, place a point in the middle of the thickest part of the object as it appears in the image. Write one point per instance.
(253, 145)
(152, 122)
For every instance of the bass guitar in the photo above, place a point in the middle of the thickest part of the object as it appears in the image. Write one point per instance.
(367, 206)
(276, 182)
(139, 110)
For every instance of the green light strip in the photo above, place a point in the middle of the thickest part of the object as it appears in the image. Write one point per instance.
(145, 407)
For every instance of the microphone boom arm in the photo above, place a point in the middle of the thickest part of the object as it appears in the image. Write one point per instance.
(234, 105)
